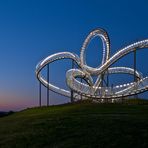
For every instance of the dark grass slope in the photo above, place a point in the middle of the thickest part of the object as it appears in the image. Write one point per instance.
(77, 126)
(2, 114)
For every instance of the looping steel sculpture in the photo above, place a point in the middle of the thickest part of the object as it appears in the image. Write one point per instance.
(95, 90)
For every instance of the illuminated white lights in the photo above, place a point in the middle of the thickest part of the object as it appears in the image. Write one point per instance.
(95, 90)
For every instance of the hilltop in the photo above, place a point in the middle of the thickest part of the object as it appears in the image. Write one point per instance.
(77, 125)
(2, 113)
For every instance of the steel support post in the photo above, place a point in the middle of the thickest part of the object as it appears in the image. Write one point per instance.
(48, 85)
(40, 94)
(72, 90)
(135, 67)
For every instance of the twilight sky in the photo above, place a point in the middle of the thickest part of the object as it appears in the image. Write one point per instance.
(30, 30)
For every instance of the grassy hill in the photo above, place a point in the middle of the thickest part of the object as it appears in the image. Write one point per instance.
(77, 126)
(2, 114)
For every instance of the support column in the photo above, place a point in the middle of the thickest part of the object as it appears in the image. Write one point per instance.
(135, 79)
(81, 82)
(107, 84)
(48, 85)
(102, 80)
(72, 90)
(40, 95)
(135, 67)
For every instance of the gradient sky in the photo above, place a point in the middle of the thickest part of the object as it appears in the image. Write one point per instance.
(30, 30)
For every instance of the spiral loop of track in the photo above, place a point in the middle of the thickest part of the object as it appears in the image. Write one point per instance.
(92, 89)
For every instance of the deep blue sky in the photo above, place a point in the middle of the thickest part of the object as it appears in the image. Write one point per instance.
(33, 29)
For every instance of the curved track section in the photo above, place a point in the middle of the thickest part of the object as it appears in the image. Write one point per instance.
(49, 60)
(92, 89)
